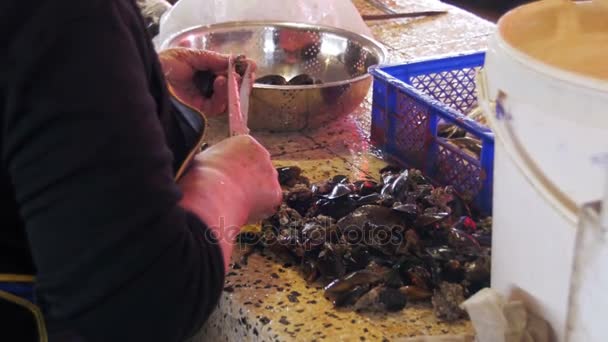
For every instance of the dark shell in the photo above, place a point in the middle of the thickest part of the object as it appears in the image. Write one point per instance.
(453, 271)
(430, 217)
(419, 277)
(310, 271)
(299, 198)
(409, 210)
(393, 279)
(349, 282)
(378, 245)
(357, 258)
(460, 240)
(272, 80)
(478, 271)
(350, 297)
(340, 179)
(381, 299)
(413, 293)
(361, 225)
(336, 208)
(339, 190)
(303, 79)
(330, 262)
(484, 239)
(390, 169)
(392, 299)
(289, 176)
(366, 187)
(240, 64)
(322, 188)
(374, 198)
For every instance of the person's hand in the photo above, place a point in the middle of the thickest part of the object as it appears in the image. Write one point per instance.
(179, 66)
(229, 184)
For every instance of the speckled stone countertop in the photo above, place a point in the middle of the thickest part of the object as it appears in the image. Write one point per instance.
(266, 300)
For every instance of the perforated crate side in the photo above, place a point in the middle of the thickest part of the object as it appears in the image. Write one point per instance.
(415, 97)
(379, 126)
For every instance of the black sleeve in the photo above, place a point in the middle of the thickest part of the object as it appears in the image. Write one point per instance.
(117, 258)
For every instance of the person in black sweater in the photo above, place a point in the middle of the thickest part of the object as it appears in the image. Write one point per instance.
(90, 142)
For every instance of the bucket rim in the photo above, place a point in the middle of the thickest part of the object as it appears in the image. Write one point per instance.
(527, 61)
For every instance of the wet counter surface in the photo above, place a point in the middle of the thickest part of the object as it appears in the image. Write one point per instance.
(267, 300)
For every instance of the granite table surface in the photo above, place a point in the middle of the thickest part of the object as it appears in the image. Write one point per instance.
(267, 300)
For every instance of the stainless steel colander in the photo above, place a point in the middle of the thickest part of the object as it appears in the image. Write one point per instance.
(338, 58)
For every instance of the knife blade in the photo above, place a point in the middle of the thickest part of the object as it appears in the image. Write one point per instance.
(245, 93)
(236, 122)
(369, 17)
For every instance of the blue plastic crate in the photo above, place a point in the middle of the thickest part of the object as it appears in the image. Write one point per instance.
(409, 100)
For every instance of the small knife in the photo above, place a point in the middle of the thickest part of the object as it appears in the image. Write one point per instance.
(236, 120)
(369, 17)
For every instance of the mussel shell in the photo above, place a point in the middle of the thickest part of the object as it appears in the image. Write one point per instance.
(374, 198)
(300, 199)
(340, 179)
(387, 182)
(272, 80)
(390, 169)
(357, 225)
(240, 64)
(409, 209)
(444, 253)
(330, 262)
(399, 185)
(453, 271)
(366, 187)
(484, 239)
(478, 271)
(289, 175)
(350, 281)
(350, 297)
(429, 218)
(339, 190)
(393, 278)
(459, 239)
(419, 277)
(302, 79)
(413, 293)
(322, 188)
(381, 299)
(356, 258)
(336, 208)
(392, 299)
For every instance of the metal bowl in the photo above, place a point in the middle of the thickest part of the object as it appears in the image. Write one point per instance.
(338, 58)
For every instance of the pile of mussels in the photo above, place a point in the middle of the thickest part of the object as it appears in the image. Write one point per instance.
(377, 245)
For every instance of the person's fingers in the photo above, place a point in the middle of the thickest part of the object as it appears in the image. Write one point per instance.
(206, 60)
(195, 58)
(219, 100)
(253, 66)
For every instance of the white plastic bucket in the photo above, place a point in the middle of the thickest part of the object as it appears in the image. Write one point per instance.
(560, 117)
(551, 128)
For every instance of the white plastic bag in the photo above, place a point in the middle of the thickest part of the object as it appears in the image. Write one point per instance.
(188, 13)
